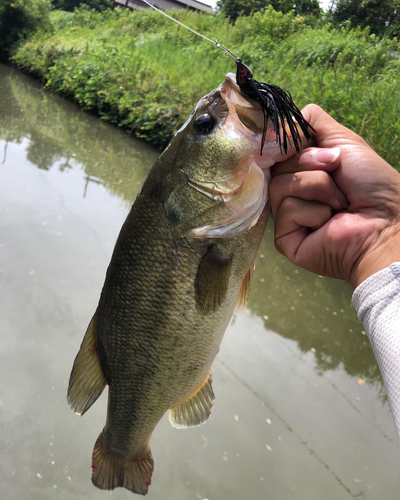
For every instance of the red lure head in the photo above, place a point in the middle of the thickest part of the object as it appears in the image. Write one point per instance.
(243, 73)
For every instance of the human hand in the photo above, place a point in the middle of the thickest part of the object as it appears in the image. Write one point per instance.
(337, 205)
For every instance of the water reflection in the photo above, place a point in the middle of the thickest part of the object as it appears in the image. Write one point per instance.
(58, 137)
(314, 311)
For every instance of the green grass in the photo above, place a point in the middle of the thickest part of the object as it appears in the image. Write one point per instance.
(143, 72)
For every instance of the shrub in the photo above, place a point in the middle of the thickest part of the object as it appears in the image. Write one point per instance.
(145, 73)
(18, 18)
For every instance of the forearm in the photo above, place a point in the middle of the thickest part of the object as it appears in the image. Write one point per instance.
(377, 302)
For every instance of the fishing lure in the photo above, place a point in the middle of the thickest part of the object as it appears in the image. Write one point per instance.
(276, 103)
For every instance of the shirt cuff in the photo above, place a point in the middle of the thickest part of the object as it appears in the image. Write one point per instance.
(377, 302)
(378, 287)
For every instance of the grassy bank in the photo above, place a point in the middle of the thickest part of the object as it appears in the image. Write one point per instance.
(144, 72)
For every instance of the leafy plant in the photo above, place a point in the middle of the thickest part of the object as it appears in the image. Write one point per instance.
(142, 72)
(18, 18)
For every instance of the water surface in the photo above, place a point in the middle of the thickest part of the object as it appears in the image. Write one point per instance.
(300, 410)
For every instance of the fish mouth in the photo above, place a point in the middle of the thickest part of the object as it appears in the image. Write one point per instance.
(246, 120)
(243, 119)
(245, 114)
(244, 190)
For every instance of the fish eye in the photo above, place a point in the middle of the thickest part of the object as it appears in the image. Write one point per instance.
(204, 124)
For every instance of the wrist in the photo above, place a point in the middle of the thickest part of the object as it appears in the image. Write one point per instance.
(379, 257)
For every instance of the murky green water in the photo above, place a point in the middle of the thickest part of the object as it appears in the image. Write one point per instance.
(300, 411)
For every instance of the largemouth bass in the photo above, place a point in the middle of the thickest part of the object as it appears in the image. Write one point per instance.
(182, 262)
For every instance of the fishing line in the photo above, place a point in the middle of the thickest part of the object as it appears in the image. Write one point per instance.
(228, 52)
(276, 103)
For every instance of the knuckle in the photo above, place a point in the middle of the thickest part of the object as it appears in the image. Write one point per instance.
(289, 204)
(281, 179)
(312, 107)
(278, 245)
(274, 182)
(312, 110)
(279, 186)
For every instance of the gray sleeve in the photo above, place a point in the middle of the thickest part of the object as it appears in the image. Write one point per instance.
(377, 302)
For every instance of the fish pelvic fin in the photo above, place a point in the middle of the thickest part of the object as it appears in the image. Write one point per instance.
(196, 409)
(243, 296)
(87, 380)
(110, 472)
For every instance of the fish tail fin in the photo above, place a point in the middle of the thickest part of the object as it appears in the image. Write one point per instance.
(109, 472)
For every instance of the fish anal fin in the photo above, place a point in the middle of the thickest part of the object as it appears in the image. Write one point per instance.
(87, 380)
(243, 296)
(212, 280)
(110, 472)
(196, 409)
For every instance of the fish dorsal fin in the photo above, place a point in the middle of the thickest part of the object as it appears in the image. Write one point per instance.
(212, 280)
(87, 380)
(196, 409)
(243, 296)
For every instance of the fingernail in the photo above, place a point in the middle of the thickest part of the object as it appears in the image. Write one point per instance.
(327, 155)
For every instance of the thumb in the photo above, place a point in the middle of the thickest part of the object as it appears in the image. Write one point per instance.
(329, 132)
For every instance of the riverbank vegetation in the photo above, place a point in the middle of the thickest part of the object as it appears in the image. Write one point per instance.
(143, 72)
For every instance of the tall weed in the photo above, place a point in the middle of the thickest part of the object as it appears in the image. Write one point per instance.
(145, 73)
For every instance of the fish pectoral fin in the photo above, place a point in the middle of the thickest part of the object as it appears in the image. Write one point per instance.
(243, 296)
(87, 380)
(212, 280)
(196, 409)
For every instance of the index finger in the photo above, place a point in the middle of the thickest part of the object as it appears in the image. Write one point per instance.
(309, 159)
